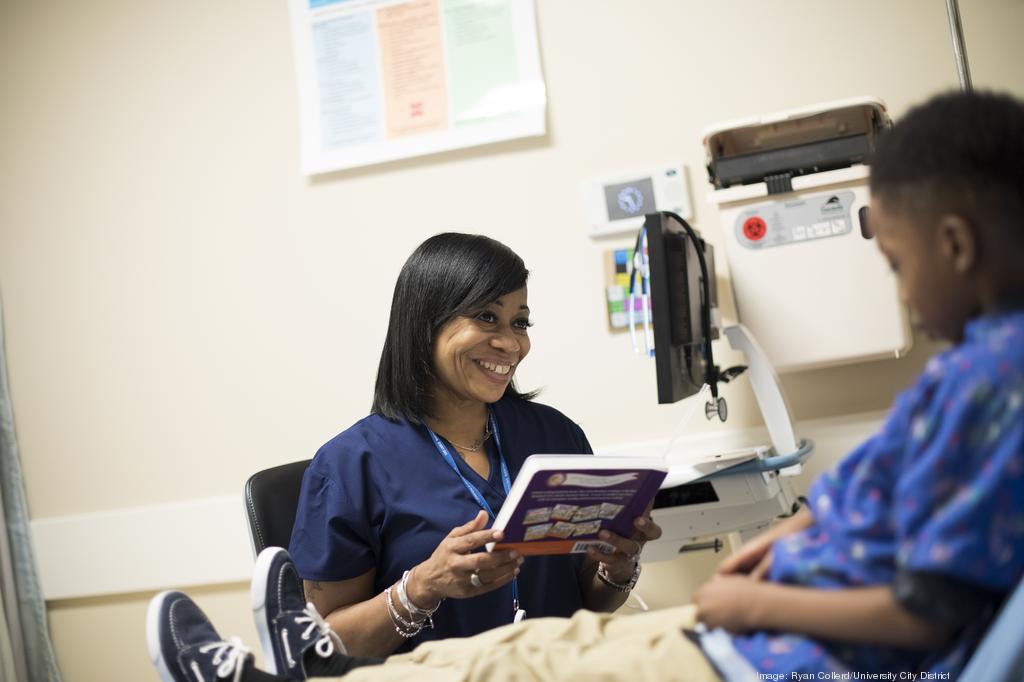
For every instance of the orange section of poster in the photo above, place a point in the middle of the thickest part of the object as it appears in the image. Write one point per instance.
(412, 69)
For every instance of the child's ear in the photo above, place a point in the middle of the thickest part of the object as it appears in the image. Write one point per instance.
(958, 242)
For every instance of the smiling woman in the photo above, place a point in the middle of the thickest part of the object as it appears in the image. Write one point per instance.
(475, 358)
(450, 283)
(394, 510)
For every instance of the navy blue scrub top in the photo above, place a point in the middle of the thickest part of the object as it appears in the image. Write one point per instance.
(380, 496)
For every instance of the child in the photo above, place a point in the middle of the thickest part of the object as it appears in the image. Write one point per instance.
(917, 537)
(907, 549)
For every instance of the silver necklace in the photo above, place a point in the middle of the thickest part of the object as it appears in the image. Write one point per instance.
(479, 442)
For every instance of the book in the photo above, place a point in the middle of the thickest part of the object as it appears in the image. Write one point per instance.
(559, 503)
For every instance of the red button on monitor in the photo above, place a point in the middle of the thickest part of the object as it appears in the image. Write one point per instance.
(754, 228)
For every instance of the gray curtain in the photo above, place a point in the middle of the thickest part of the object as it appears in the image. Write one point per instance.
(26, 653)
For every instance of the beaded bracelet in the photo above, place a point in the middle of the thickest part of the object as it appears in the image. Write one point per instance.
(403, 627)
(418, 614)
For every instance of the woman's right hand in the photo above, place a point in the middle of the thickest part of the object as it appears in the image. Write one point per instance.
(449, 570)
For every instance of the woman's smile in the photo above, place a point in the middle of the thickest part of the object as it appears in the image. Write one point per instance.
(499, 372)
(476, 356)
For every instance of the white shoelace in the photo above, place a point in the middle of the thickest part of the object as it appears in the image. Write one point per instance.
(329, 641)
(228, 656)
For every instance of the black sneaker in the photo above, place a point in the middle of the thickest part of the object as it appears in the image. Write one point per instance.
(184, 647)
(290, 629)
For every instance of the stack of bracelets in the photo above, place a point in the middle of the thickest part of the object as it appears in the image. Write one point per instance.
(421, 618)
(602, 574)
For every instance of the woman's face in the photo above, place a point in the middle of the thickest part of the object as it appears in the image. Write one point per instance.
(475, 356)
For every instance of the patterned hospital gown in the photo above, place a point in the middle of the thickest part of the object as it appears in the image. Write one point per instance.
(940, 490)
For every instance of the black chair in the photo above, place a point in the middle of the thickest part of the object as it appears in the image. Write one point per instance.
(271, 498)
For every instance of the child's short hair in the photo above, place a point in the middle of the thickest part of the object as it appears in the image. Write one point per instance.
(956, 153)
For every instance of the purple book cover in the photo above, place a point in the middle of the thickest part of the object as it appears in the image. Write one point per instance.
(559, 503)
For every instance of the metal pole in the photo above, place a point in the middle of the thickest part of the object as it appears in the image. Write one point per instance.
(959, 48)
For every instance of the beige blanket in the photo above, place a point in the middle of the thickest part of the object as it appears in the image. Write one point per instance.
(589, 646)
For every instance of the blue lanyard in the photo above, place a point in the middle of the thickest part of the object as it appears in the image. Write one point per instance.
(506, 484)
(506, 480)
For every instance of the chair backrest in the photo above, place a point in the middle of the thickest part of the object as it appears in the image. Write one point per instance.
(271, 498)
(1000, 656)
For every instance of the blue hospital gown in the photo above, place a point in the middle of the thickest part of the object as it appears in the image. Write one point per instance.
(939, 490)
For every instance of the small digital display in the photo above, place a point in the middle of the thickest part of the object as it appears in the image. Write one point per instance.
(629, 199)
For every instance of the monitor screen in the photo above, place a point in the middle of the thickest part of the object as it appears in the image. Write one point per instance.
(677, 297)
(629, 199)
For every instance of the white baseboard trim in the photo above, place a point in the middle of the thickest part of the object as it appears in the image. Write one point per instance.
(206, 542)
(138, 549)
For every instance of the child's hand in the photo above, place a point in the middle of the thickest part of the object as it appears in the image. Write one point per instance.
(753, 559)
(730, 602)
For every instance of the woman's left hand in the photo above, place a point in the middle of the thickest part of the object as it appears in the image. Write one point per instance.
(621, 562)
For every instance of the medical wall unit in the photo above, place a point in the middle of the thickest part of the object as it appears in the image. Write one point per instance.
(617, 203)
(792, 193)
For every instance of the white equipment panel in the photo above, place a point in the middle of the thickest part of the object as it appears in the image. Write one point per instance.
(807, 277)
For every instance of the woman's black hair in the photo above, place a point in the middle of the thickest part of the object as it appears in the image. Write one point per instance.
(448, 275)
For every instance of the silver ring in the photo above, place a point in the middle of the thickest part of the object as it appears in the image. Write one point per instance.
(474, 579)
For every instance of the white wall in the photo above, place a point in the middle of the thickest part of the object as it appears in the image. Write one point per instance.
(183, 307)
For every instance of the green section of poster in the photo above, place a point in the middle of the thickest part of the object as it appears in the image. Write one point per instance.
(482, 61)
